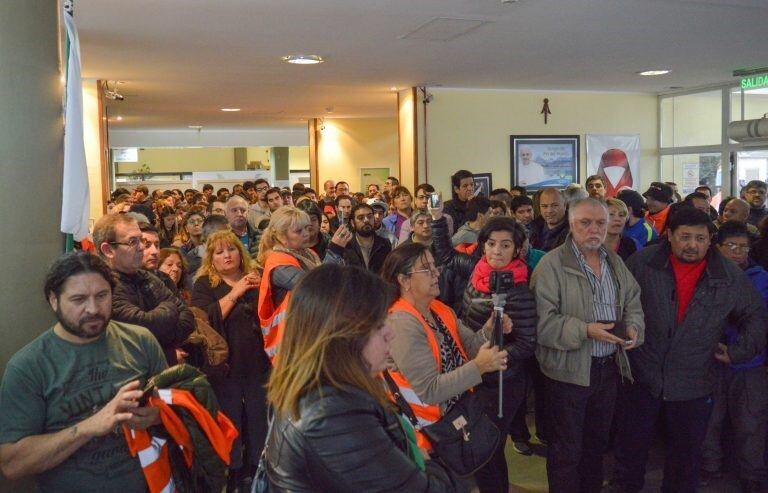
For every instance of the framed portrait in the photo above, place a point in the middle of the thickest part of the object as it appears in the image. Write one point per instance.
(540, 161)
(483, 183)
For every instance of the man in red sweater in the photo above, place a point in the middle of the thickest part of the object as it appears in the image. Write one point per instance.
(690, 293)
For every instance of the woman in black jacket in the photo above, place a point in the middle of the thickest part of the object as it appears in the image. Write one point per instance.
(498, 251)
(226, 287)
(334, 429)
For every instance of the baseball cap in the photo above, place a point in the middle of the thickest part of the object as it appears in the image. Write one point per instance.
(659, 191)
(378, 204)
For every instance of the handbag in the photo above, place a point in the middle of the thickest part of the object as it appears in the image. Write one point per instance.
(464, 438)
(260, 482)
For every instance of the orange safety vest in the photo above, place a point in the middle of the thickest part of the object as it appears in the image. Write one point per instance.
(658, 220)
(426, 414)
(153, 450)
(271, 318)
(468, 248)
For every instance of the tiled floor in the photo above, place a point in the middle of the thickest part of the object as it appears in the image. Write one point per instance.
(528, 474)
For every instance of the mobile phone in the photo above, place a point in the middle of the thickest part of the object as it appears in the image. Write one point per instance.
(341, 217)
(144, 399)
(434, 200)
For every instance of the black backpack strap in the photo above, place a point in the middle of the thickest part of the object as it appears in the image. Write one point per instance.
(405, 408)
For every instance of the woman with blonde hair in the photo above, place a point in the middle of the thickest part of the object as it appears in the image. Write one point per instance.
(334, 429)
(286, 258)
(618, 215)
(226, 288)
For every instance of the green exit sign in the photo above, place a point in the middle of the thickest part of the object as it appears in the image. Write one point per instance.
(754, 82)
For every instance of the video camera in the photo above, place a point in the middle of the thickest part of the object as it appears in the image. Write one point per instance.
(501, 282)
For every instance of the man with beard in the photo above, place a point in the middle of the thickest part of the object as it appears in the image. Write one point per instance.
(754, 193)
(151, 257)
(65, 394)
(368, 250)
(140, 297)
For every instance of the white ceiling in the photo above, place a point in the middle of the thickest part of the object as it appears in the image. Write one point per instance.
(183, 60)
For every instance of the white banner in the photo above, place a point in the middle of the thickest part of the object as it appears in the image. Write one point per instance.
(616, 158)
(75, 202)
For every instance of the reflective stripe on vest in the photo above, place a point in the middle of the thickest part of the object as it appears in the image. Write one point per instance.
(271, 318)
(153, 457)
(426, 414)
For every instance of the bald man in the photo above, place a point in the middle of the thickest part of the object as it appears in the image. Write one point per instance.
(551, 228)
(236, 213)
(737, 210)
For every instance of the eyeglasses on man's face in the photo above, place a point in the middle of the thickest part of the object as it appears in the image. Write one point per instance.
(434, 270)
(133, 243)
(736, 247)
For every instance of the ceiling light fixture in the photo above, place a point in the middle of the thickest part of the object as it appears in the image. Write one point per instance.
(303, 59)
(195, 127)
(119, 118)
(230, 110)
(393, 88)
(654, 72)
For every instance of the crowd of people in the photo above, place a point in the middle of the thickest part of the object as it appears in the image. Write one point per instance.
(623, 318)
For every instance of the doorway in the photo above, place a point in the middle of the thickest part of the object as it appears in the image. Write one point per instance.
(373, 176)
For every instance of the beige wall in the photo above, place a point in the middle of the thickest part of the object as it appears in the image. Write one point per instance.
(346, 145)
(260, 153)
(298, 158)
(470, 129)
(164, 160)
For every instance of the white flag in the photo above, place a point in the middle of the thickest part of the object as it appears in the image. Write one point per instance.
(75, 201)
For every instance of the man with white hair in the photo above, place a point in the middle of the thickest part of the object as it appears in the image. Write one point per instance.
(529, 172)
(589, 314)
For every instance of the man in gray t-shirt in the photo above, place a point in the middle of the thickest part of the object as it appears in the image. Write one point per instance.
(64, 396)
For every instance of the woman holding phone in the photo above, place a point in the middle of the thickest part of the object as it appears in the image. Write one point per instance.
(286, 258)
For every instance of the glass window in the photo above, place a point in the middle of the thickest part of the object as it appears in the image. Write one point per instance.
(689, 171)
(751, 165)
(692, 119)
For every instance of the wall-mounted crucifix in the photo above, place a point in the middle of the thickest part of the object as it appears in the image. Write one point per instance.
(545, 110)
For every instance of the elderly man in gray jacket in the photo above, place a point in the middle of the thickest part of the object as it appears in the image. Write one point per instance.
(589, 315)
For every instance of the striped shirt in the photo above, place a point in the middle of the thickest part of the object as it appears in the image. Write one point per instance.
(603, 296)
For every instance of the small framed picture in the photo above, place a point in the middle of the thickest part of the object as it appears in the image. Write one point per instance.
(483, 184)
(541, 161)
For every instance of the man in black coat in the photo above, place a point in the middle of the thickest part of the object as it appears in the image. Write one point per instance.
(140, 297)
(463, 189)
(689, 294)
(551, 228)
(367, 250)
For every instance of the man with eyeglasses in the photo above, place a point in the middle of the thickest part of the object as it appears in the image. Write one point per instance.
(690, 294)
(140, 297)
(367, 249)
(754, 193)
(259, 209)
(741, 390)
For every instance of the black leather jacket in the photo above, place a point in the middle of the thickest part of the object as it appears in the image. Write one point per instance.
(142, 299)
(457, 267)
(345, 442)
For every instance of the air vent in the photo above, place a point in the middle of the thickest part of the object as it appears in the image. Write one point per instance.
(444, 29)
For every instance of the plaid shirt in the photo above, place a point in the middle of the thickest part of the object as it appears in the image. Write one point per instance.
(603, 296)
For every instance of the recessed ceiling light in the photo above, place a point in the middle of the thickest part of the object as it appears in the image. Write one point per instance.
(195, 127)
(119, 118)
(393, 88)
(230, 109)
(654, 72)
(303, 59)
